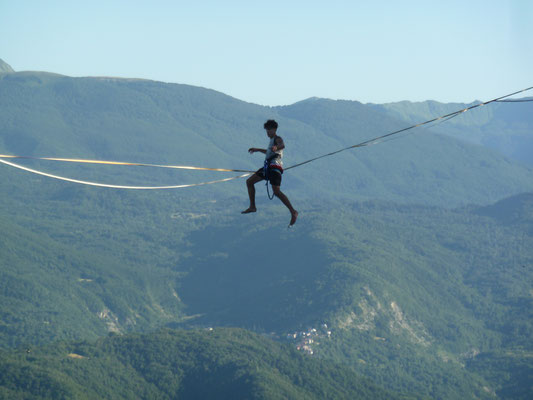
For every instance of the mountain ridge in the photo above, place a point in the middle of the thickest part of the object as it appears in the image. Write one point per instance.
(5, 67)
(153, 122)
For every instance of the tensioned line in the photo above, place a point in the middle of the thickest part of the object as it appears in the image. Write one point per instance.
(368, 142)
(62, 178)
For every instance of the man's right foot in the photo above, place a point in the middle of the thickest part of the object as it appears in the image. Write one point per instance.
(249, 210)
(294, 215)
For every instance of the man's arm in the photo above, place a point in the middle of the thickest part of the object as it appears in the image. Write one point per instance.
(278, 144)
(252, 150)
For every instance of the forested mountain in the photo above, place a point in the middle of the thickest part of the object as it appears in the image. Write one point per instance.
(408, 304)
(199, 364)
(390, 269)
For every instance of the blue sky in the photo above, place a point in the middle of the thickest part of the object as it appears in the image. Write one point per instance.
(280, 52)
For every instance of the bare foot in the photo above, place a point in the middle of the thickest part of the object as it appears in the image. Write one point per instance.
(249, 210)
(294, 215)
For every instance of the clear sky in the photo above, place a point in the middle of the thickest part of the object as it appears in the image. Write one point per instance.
(281, 51)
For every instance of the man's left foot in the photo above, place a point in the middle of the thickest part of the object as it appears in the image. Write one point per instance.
(294, 215)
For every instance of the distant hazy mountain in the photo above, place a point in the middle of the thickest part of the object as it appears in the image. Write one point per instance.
(5, 67)
(505, 127)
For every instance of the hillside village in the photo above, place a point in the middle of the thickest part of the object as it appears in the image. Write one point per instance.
(306, 341)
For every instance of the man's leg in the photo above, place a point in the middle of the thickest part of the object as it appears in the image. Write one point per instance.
(285, 200)
(250, 182)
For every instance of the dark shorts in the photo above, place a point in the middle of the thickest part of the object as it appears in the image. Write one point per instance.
(273, 174)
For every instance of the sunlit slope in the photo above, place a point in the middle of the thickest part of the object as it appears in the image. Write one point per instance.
(79, 262)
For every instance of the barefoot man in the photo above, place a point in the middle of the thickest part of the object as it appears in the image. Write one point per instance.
(273, 170)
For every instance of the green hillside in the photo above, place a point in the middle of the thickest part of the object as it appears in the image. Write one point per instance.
(427, 299)
(411, 294)
(55, 287)
(200, 364)
(406, 290)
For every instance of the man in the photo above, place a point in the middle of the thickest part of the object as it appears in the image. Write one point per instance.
(273, 169)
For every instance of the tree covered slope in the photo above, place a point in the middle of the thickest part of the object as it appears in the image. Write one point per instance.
(199, 364)
(421, 291)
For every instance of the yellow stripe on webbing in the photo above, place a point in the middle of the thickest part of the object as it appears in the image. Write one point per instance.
(83, 161)
(62, 178)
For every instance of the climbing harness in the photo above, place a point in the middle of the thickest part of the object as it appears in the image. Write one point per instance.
(268, 170)
(266, 173)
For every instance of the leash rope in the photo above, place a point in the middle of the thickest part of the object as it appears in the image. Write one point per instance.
(62, 178)
(84, 161)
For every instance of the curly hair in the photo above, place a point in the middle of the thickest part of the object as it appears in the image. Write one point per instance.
(271, 124)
